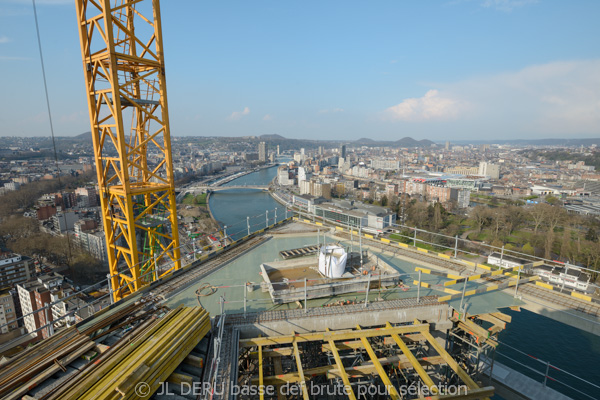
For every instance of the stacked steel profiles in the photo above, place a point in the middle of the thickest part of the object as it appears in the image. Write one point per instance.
(149, 353)
(33, 366)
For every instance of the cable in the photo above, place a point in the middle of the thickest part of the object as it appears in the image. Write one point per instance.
(39, 40)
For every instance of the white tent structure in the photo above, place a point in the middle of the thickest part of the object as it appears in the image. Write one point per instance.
(332, 261)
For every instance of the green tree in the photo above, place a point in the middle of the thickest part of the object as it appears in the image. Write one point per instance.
(591, 235)
(552, 200)
(384, 201)
(528, 249)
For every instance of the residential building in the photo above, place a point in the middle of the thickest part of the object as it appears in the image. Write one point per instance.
(34, 295)
(462, 170)
(91, 239)
(262, 152)
(283, 176)
(8, 312)
(487, 169)
(14, 269)
(64, 221)
(387, 165)
(46, 212)
(87, 196)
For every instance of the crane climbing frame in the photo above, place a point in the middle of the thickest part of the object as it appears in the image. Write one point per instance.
(124, 68)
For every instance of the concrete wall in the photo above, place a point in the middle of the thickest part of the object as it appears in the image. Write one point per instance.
(436, 315)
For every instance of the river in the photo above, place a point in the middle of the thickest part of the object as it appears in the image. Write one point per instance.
(232, 207)
(566, 347)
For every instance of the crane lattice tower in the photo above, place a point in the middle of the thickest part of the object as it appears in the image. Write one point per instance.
(124, 68)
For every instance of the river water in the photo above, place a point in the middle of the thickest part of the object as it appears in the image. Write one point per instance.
(568, 348)
(232, 207)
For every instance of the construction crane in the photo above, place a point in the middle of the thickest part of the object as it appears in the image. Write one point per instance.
(124, 68)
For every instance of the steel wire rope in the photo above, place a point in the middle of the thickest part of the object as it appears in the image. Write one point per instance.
(60, 186)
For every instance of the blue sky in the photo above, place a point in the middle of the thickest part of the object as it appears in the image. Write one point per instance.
(441, 70)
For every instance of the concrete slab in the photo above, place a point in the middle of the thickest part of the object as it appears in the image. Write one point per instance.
(516, 385)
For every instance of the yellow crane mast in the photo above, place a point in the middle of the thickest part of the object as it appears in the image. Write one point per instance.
(124, 68)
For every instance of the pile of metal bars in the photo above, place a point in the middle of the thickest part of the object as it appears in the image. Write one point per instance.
(151, 345)
(149, 356)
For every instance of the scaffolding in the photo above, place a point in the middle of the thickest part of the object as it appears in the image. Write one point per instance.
(402, 361)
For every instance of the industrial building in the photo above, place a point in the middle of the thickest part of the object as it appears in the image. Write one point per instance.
(356, 214)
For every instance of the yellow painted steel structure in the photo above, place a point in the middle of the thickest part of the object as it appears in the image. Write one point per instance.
(359, 339)
(124, 68)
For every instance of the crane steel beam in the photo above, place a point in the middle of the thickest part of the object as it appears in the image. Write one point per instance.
(124, 69)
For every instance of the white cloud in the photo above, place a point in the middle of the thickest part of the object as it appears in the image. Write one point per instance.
(432, 106)
(267, 117)
(556, 98)
(4, 39)
(331, 111)
(239, 114)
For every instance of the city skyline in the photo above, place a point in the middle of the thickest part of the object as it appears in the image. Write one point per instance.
(455, 70)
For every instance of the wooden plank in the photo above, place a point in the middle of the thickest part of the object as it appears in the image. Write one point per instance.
(502, 316)
(491, 319)
(342, 370)
(300, 371)
(335, 335)
(278, 371)
(450, 361)
(393, 393)
(413, 360)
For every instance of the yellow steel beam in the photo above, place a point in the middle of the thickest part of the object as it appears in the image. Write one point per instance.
(342, 369)
(115, 70)
(357, 371)
(260, 373)
(391, 390)
(413, 360)
(335, 335)
(300, 371)
(451, 362)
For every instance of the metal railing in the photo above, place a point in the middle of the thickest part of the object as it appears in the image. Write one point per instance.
(543, 372)
(247, 230)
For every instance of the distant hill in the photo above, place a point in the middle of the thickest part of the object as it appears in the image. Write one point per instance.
(365, 141)
(410, 142)
(535, 142)
(272, 137)
(404, 142)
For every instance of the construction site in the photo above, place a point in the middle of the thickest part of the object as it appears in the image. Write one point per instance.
(170, 334)
(402, 344)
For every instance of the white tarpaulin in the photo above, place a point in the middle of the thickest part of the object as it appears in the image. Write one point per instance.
(332, 261)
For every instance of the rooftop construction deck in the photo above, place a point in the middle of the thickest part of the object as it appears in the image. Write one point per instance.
(383, 341)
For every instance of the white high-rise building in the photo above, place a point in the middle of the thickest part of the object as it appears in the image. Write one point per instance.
(262, 152)
(491, 170)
